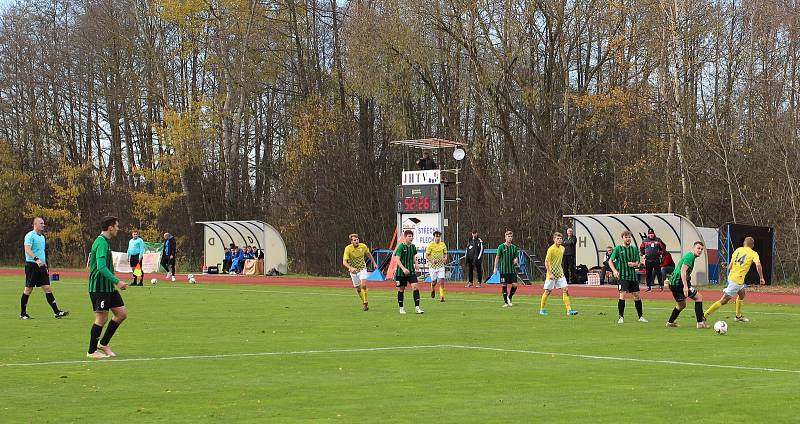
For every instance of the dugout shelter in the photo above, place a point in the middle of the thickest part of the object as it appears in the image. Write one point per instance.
(218, 235)
(595, 232)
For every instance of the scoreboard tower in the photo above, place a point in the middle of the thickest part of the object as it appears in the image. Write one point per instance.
(419, 199)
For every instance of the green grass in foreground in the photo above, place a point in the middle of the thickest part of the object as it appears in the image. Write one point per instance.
(467, 360)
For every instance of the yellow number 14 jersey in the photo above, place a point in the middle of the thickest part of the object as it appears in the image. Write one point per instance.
(741, 260)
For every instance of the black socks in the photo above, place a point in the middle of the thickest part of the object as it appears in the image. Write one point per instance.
(52, 301)
(23, 304)
(94, 337)
(110, 330)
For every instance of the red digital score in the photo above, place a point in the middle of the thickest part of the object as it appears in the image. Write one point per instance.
(418, 198)
(421, 203)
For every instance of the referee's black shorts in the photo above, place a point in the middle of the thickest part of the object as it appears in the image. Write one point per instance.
(35, 275)
(135, 259)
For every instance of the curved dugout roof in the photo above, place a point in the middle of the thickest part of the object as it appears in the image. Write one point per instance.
(595, 232)
(218, 235)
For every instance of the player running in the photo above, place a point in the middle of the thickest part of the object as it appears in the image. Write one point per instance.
(555, 276)
(506, 262)
(681, 286)
(624, 263)
(353, 260)
(741, 260)
(436, 254)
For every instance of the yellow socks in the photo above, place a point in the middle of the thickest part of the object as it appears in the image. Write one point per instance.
(441, 291)
(716, 305)
(361, 295)
(364, 298)
(739, 303)
(544, 300)
(567, 302)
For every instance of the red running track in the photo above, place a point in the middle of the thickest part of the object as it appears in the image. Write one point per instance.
(607, 292)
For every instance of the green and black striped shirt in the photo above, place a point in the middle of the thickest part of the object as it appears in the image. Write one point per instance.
(688, 260)
(101, 267)
(507, 254)
(406, 255)
(621, 256)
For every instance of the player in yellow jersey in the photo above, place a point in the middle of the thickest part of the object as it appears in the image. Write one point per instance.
(436, 254)
(741, 260)
(353, 260)
(555, 275)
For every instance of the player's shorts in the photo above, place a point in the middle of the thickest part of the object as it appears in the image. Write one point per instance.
(404, 280)
(35, 275)
(135, 259)
(679, 295)
(103, 301)
(508, 278)
(628, 286)
(733, 288)
(358, 276)
(437, 274)
(557, 284)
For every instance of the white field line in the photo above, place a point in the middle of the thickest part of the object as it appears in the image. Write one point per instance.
(391, 348)
(612, 302)
(225, 355)
(619, 359)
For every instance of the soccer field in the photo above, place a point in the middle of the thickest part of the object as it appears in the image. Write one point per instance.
(217, 353)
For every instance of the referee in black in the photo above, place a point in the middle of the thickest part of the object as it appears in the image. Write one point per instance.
(36, 273)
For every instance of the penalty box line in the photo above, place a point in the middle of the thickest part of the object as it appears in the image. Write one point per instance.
(421, 347)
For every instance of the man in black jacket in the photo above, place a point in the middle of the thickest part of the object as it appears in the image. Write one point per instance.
(425, 162)
(474, 258)
(569, 256)
(168, 255)
(653, 249)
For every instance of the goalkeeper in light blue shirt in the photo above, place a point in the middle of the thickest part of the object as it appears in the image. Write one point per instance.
(135, 254)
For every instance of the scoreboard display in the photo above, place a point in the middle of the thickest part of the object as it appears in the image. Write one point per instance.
(418, 198)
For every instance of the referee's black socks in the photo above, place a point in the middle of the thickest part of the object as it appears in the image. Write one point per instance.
(52, 301)
(23, 304)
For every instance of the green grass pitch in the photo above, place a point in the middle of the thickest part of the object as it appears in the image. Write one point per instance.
(268, 354)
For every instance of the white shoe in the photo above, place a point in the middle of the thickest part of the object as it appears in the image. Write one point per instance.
(419, 310)
(173, 278)
(642, 319)
(509, 303)
(96, 355)
(621, 320)
(402, 311)
(742, 319)
(506, 305)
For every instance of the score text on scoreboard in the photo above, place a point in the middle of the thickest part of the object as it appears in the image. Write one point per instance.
(418, 198)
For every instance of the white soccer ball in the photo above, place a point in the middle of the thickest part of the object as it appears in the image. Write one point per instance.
(721, 327)
(192, 280)
(153, 281)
